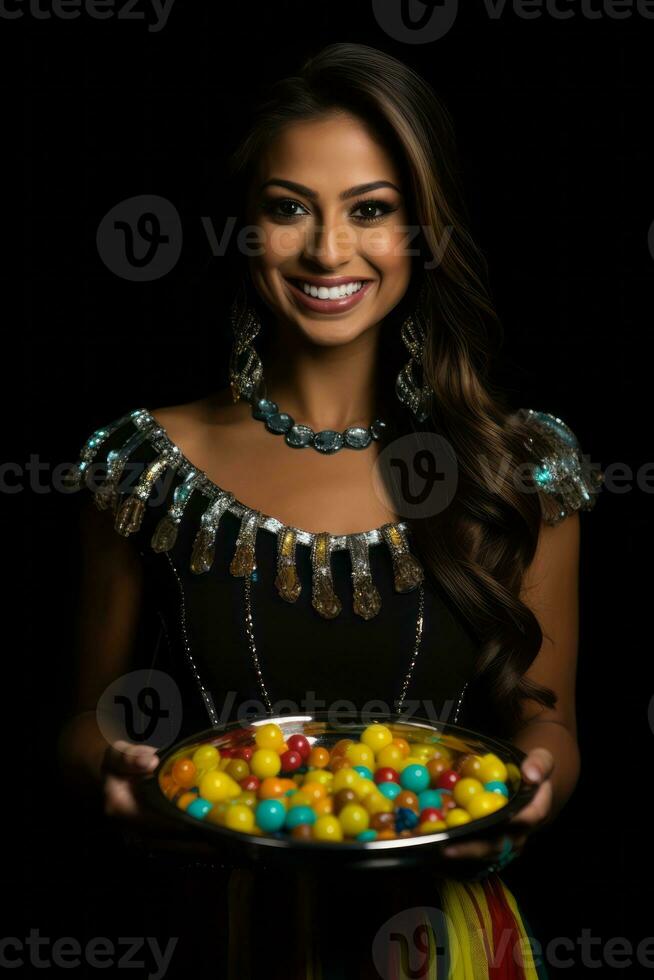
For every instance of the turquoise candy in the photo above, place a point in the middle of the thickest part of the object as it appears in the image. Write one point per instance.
(366, 836)
(270, 815)
(415, 778)
(299, 815)
(363, 771)
(495, 786)
(430, 798)
(328, 441)
(199, 808)
(299, 436)
(279, 422)
(389, 790)
(356, 437)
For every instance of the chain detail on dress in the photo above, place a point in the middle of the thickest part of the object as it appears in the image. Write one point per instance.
(206, 695)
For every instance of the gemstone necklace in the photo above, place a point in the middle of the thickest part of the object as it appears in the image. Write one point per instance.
(327, 441)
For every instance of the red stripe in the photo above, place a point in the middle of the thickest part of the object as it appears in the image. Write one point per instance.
(505, 932)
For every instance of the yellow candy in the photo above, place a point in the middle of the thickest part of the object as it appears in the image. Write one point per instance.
(265, 762)
(222, 765)
(378, 803)
(376, 737)
(408, 760)
(481, 804)
(391, 756)
(364, 787)
(360, 755)
(353, 819)
(321, 776)
(269, 737)
(216, 786)
(423, 752)
(465, 789)
(513, 773)
(431, 826)
(345, 778)
(492, 768)
(247, 797)
(456, 817)
(299, 799)
(239, 817)
(327, 828)
(206, 757)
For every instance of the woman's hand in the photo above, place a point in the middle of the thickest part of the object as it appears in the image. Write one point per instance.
(536, 769)
(123, 765)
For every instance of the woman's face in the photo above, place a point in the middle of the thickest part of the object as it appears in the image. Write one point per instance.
(331, 219)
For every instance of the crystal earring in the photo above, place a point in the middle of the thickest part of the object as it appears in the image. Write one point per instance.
(245, 368)
(415, 394)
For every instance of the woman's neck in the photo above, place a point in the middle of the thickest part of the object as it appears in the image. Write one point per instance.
(324, 387)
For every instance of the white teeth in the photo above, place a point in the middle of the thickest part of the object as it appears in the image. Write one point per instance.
(331, 292)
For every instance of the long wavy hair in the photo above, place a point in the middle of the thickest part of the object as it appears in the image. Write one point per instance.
(477, 549)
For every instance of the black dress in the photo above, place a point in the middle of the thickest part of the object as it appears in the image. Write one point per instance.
(215, 572)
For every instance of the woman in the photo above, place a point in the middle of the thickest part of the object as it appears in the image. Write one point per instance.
(374, 335)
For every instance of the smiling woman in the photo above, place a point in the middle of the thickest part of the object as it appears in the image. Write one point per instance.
(283, 567)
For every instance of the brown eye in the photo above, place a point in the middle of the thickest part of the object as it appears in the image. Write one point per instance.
(283, 208)
(372, 210)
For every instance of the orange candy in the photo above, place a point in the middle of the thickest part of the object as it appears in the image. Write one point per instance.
(184, 800)
(184, 773)
(402, 745)
(271, 788)
(341, 746)
(324, 806)
(407, 799)
(318, 758)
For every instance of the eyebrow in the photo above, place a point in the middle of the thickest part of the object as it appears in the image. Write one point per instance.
(291, 185)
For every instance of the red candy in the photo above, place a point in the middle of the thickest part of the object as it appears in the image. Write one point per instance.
(447, 779)
(245, 754)
(290, 760)
(298, 743)
(250, 784)
(386, 775)
(430, 814)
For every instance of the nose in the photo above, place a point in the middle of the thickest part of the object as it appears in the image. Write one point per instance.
(331, 244)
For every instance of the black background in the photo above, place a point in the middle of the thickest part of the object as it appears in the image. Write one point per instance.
(553, 119)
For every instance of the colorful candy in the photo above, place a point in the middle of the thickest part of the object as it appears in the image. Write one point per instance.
(381, 787)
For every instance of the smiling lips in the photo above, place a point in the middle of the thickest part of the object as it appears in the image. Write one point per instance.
(334, 295)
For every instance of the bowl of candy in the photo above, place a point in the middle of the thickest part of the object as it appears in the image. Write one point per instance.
(390, 792)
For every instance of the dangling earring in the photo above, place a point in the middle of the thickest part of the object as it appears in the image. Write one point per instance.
(245, 368)
(415, 394)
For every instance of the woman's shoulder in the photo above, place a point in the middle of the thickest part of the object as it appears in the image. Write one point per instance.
(565, 476)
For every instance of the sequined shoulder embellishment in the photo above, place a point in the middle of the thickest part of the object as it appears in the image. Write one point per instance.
(568, 481)
(129, 510)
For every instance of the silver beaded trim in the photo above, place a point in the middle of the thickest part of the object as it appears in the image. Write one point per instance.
(204, 692)
(251, 641)
(420, 618)
(163, 444)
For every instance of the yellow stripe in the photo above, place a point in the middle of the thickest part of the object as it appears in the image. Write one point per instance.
(467, 951)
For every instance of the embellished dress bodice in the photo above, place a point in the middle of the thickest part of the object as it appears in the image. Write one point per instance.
(260, 616)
